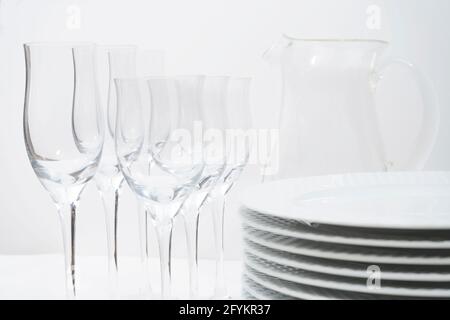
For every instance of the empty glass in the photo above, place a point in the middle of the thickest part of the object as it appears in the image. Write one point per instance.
(238, 139)
(206, 96)
(63, 129)
(109, 179)
(157, 154)
(123, 61)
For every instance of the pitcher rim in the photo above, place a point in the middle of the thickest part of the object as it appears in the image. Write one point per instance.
(59, 44)
(362, 40)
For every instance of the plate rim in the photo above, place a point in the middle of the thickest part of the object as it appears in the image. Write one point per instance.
(349, 256)
(346, 272)
(400, 244)
(272, 287)
(336, 285)
(251, 290)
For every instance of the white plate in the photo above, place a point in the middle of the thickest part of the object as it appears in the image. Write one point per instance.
(295, 229)
(258, 292)
(248, 296)
(347, 253)
(304, 292)
(346, 269)
(268, 290)
(340, 283)
(419, 200)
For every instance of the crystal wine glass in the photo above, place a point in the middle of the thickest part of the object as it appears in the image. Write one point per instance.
(238, 151)
(109, 179)
(123, 61)
(63, 129)
(157, 155)
(211, 104)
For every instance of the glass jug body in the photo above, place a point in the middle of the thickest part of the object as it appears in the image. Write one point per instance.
(328, 119)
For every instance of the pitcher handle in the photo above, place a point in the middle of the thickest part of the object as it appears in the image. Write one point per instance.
(431, 114)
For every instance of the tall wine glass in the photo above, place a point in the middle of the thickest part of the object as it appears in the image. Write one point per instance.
(210, 103)
(150, 63)
(123, 61)
(109, 178)
(157, 155)
(238, 151)
(63, 129)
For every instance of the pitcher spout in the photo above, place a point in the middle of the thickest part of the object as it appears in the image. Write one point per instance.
(274, 53)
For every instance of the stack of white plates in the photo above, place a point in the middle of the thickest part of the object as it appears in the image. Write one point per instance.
(359, 236)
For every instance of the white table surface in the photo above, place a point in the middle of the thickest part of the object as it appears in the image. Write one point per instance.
(42, 277)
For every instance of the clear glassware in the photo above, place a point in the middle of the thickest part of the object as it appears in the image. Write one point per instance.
(124, 61)
(63, 129)
(150, 63)
(329, 109)
(238, 143)
(209, 101)
(157, 155)
(109, 178)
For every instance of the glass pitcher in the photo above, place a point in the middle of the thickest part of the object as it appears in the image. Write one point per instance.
(328, 119)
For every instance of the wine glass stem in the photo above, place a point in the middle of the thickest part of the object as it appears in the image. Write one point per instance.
(144, 247)
(218, 213)
(67, 214)
(191, 219)
(164, 233)
(110, 199)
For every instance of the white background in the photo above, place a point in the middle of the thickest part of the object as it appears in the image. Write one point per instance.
(200, 36)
